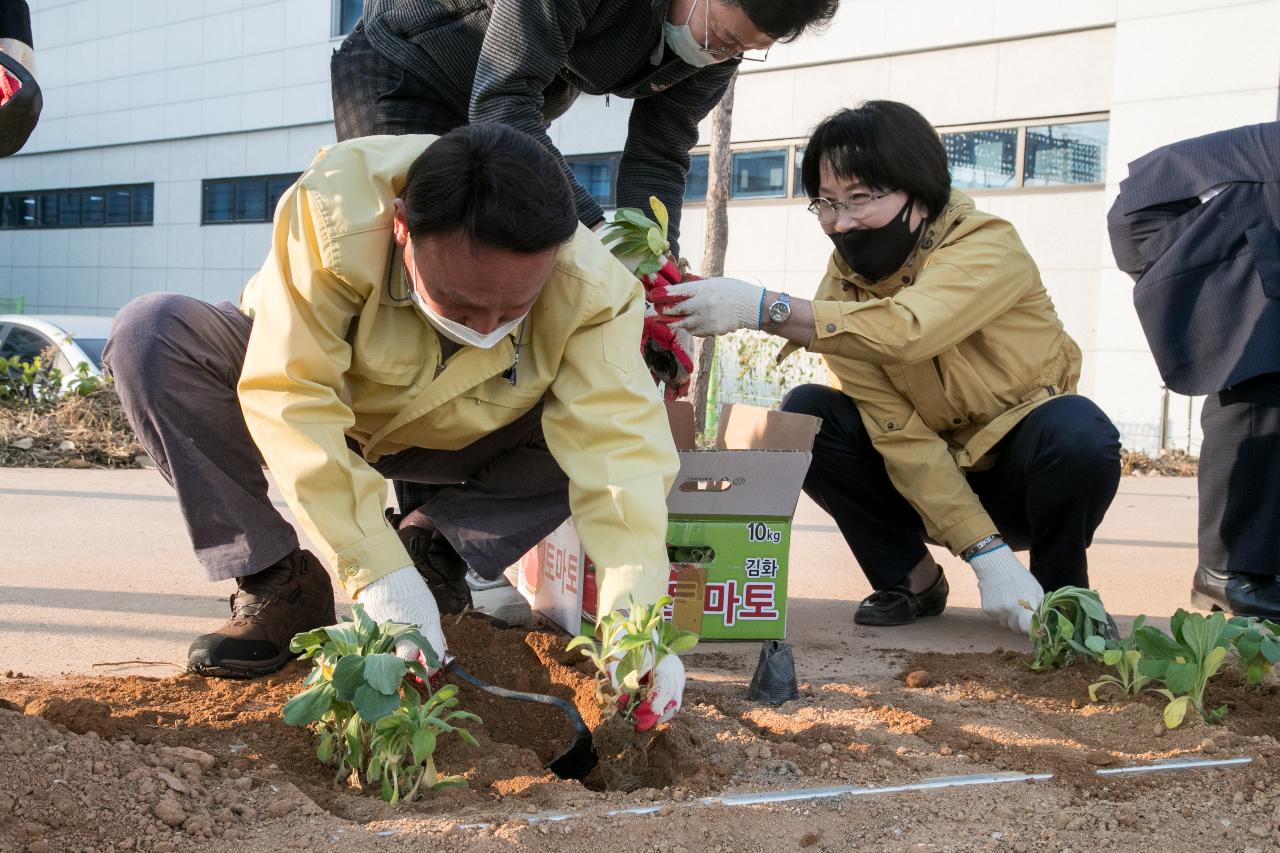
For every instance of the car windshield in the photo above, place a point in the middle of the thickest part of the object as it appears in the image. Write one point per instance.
(93, 348)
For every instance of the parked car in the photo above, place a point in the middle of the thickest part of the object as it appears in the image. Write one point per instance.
(77, 338)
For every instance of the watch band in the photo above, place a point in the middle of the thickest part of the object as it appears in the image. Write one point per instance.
(977, 547)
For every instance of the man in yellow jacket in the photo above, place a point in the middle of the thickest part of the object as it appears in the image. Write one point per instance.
(430, 310)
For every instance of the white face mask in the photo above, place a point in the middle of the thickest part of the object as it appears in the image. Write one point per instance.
(682, 43)
(460, 334)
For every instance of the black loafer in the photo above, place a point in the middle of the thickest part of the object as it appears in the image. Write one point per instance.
(1241, 594)
(900, 606)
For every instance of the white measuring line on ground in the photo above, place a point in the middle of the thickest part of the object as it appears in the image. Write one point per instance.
(827, 792)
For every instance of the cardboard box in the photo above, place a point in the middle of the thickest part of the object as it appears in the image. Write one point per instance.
(728, 531)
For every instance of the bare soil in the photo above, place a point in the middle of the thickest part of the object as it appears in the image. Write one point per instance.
(186, 763)
(77, 432)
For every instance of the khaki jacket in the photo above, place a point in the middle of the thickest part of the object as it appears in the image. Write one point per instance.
(944, 358)
(337, 351)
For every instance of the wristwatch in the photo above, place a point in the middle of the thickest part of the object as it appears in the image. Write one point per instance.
(981, 545)
(780, 309)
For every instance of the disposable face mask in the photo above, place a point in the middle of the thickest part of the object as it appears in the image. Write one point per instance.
(460, 334)
(682, 43)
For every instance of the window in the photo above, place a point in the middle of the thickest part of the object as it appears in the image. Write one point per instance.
(695, 185)
(345, 15)
(797, 179)
(228, 200)
(1066, 154)
(596, 174)
(759, 174)
(91, 207)
(24, 344)
(982, 158)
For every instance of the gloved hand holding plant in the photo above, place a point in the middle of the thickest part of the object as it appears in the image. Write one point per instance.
(641, 244)
(639, 674)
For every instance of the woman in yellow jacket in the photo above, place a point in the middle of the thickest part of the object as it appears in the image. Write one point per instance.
(953, 415)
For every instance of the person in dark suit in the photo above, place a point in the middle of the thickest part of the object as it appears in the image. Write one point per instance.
(1197, 225)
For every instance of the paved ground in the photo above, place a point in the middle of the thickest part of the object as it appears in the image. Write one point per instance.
(96, 571)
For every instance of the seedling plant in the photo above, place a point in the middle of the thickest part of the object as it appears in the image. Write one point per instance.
(631, 234)
(362, 702)
(1069, 622)
(631, 644)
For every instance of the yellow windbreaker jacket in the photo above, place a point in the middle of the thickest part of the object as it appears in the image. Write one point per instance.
(338, 351)
(944, 358)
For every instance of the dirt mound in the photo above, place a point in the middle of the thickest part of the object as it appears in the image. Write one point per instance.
(185, 763)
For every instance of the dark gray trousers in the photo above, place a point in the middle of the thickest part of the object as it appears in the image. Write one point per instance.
(176, 362)
(1238, 480)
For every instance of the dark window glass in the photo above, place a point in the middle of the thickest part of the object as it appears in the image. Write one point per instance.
(93, 348)
(1066, 154)
(596, 174)
(142, 204)
(349, 12)
(695, 185)
(69, 208)
(275, 188)
(219, 201)
(90, 207)
(251, 201)
(48, 210)
(797, 182)
(24, 343)
(118, 207)
(982, 158)
(759, 174)
(93, 207)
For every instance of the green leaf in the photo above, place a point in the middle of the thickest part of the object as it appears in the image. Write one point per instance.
(384, 673)
(684, 642)
(1271, 649)
(1092, 605)
(1249, 644)
(366, 628)
(659, 213)
(467, 736)
(324, 749)
(424, 745)
(1153, 667)
(1180, 678)
(635, 217)
(1212, 663)
(657, 243)
(347, 676)
(1095, 644)
(373, 705)
(580, 640)
(1111, 657)
(1175, 712)
(648, 265)
(307, 640)
(309, 705)
(344, 637)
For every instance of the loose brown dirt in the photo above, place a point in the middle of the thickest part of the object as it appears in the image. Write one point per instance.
(78, 432)
(185, 763)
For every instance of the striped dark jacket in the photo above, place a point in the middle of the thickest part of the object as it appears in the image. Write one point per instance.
(524, 62)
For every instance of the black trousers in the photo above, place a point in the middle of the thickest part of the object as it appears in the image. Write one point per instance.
(1053, 478)
(1239, 478)
(176, 362)
(374, 96)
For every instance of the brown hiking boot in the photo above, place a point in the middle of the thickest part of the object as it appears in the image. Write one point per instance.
(436, 560)
(269, 607)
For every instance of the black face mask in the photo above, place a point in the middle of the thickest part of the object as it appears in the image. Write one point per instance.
(874, 253)
(18, 117)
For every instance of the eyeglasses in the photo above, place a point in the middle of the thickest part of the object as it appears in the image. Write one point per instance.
(826, 209)
(720, 53)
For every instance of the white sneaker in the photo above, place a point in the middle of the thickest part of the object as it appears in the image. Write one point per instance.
(499, 599)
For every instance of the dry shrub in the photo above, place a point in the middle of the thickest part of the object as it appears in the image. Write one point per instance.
(1167, 463)
(94, 424)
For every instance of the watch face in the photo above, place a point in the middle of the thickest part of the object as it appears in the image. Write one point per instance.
(779, 312)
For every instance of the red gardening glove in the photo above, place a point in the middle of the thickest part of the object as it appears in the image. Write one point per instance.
(666, 356)
(666, 695)
(669, 273)
(9, 86)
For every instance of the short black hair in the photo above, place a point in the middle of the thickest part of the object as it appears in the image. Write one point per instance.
(885, 144)
(785, 20)
(493, 185)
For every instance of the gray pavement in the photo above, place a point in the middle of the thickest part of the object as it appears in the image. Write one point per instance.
(96, 574)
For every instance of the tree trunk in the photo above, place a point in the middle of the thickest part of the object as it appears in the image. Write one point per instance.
(719, 177)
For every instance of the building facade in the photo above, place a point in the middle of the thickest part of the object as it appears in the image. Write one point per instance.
(170, 128)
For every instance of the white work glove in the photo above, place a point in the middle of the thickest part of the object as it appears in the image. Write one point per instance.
(667, 680)
(710, 306)
(402, 596)
(1003, 583)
